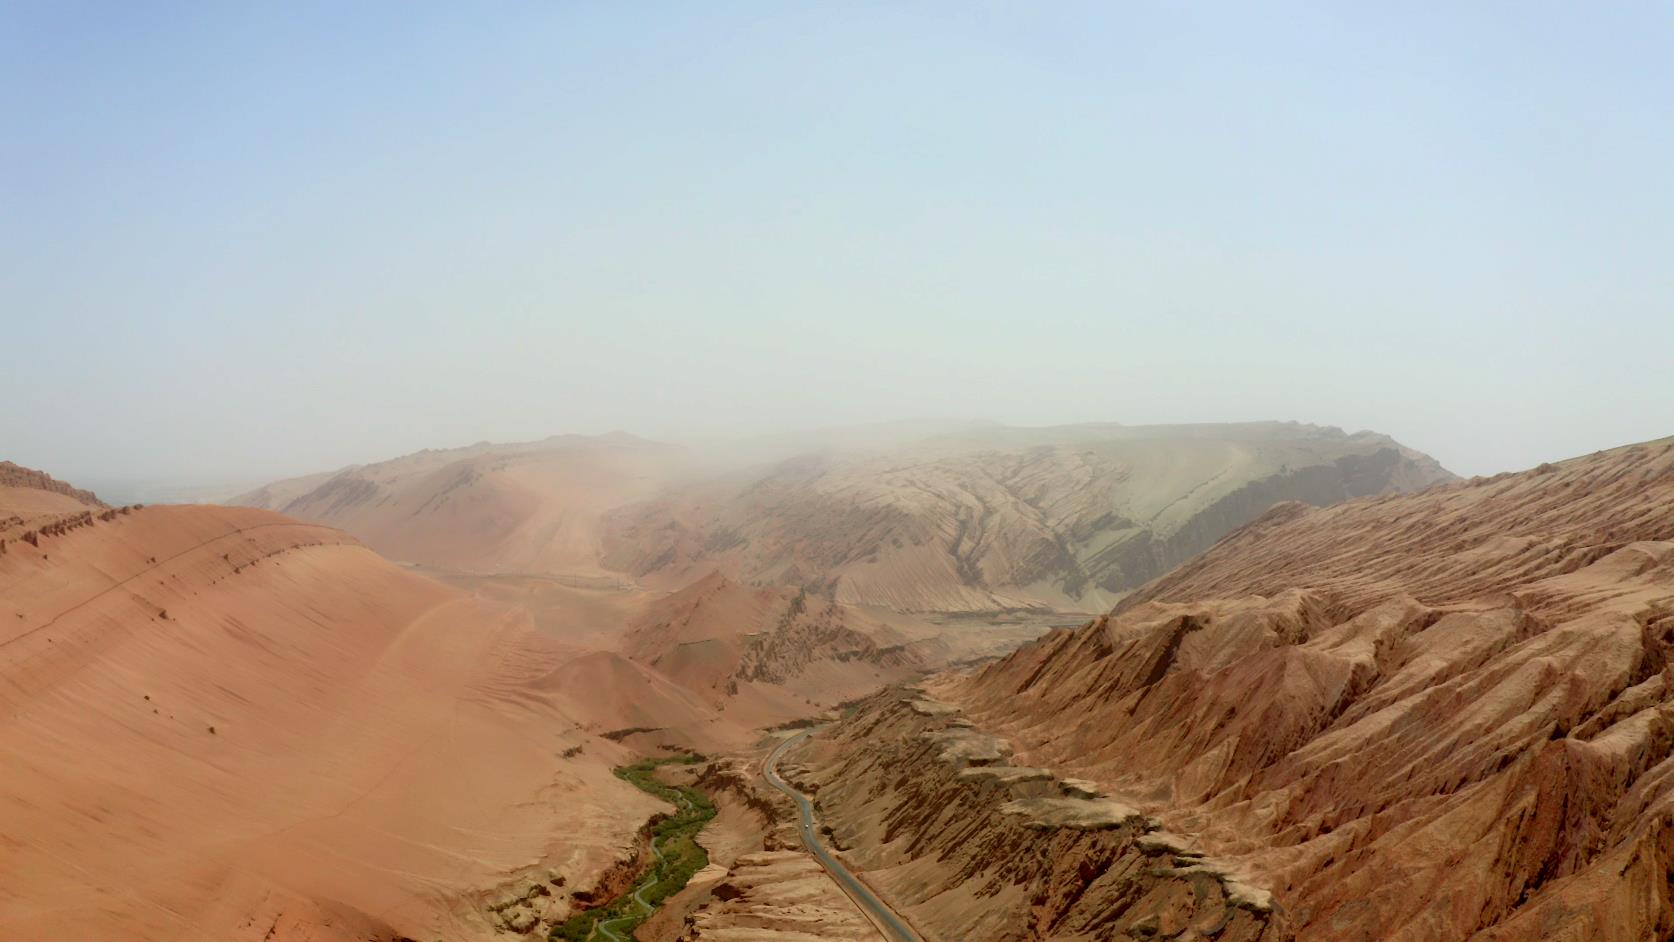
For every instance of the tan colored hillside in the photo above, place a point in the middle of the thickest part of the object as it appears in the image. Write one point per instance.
(1434, 716)
(219, 723)
(527, 507)
(999, 518)
(974, 519)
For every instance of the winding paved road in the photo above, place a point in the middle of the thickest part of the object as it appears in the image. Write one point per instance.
(893, 926)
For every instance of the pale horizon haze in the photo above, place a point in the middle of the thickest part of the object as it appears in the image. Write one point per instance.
(242, 242)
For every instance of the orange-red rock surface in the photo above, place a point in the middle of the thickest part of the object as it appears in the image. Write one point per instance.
(15, 478)
(1432, 716)
(219, 723)
(965, 842)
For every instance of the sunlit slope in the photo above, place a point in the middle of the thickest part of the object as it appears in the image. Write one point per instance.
(1442, 715)
(25, 491)
(222, 723)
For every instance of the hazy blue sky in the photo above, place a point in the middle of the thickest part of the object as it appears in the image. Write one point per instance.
(239, 241)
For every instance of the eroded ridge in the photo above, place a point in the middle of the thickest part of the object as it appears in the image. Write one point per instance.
(969, 843)
(1436, 716)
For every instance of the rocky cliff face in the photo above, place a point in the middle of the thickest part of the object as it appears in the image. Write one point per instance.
(16, 475)
(968, 844)
(1438, 716)
(1009, 518)
(812, 629)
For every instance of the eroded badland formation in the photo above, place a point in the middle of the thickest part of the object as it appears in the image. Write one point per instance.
(1443, 715)
(388, 702)
(978, 519)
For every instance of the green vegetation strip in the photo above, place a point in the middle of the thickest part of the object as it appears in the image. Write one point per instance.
(673, 845)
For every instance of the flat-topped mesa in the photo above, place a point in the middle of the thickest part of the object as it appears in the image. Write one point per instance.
(1088, 814)
(963, 747)
(1080, 788)
(927, 707)
(1167, 843)
(1010, 776)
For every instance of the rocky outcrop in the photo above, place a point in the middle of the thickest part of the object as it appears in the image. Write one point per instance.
(16, 475)
(781, 895)
(1065, 518)
(815, 629)
(1437, 716)
(967, 845)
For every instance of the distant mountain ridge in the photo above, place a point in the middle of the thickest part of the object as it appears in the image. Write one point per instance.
(519, 507)
(1065, 517)
(965, 517)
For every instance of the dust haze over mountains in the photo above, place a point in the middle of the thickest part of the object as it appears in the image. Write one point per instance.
(896, 473)
(248, 244)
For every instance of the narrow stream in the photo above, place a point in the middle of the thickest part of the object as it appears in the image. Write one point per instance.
(675, 851)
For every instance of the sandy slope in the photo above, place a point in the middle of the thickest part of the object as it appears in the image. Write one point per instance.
(221, 724)
(708, 666)
(25, 503)
(1435, 716)
(26, 490)
(997, 518)
(531, 507)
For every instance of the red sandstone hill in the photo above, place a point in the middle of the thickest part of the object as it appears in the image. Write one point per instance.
(1435, 716)
(26, 489)
(221, 723)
